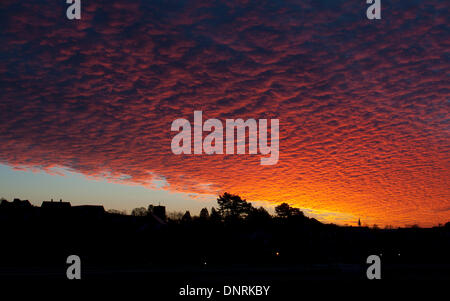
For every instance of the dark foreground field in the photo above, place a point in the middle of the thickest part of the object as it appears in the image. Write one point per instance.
(35, 244)
(241, 274)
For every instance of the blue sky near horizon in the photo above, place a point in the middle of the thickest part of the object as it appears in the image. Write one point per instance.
(38, 186)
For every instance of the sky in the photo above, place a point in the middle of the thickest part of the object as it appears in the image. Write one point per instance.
(59, 184)
(86, 105)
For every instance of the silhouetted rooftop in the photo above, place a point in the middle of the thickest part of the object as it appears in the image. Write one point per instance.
(55, 205)
(15, 204)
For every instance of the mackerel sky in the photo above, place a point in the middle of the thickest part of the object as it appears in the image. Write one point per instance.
(363, 104)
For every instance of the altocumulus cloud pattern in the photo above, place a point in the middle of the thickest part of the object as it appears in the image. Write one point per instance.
(363, 105)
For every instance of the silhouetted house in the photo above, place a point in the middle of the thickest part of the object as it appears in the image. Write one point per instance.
(157, 220)
(58, 210)
(46, 205)
(16, 210)
(5, 205)
(151, 221)
(15, 204)
(88, 211)
(160, 212)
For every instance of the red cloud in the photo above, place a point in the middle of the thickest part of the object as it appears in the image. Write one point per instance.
(363, 105)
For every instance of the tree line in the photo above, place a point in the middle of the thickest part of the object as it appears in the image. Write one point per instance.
(230, 207)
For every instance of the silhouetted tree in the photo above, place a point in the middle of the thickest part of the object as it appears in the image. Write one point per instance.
(258, 215)
(296, 212)
(232, 206)
(186, 217)
(284, 210)
(118, 212)
(175, 215)
(141, 211)
(204, 214)
(215, 215)
(447, 226)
